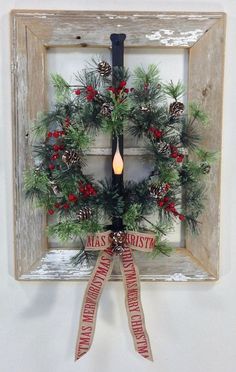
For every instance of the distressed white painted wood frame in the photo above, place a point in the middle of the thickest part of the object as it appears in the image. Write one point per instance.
(35, 31)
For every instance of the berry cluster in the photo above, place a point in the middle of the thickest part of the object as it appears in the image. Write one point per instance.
(55, 155)
(121, 88)
(175, 154)
(91, 93)
(169, 206)
(155, 132)
(71, 198)
(87, 189)
(56, 133)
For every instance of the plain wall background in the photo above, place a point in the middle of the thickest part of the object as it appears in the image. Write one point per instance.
(192, 327)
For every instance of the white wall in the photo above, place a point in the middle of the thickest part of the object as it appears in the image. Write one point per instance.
(192, 326)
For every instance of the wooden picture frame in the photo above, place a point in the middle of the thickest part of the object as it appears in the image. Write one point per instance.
(32, 33)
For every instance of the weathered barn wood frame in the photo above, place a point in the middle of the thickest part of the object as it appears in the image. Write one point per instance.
(32, 33)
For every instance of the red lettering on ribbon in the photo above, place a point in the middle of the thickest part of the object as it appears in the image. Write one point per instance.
(101, 273)
(89, 309)
(134, 306)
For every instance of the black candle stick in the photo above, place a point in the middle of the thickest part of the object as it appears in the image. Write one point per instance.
(117, 141)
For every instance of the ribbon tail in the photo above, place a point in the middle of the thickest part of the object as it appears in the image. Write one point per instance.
(133, 304)
(98, 279)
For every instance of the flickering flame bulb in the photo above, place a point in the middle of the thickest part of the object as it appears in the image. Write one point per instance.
(117, 163)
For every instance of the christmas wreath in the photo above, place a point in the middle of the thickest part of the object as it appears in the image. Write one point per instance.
(175, 187)
(115, 217)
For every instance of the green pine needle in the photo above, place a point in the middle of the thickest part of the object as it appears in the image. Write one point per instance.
(69, 229)
(62, 89)
(132, 216)
(197, 113)
(207, 156)
(175, 91)
(151, 75)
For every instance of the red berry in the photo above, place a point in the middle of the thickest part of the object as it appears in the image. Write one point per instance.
(165, 199)
(161, 203)
(49, 134)
(51, 166)
(51, 212)
(56, 147)
(111, 89)
(158, 133)
(181, 217)
(66, 206)
(180, 158)
(90, 88)
(126, 90)
(61, 147)
(174, 155)
(77, 92)
(56, 134)
(122, 84)
(72, 198)
(55, 156)
(57, 205)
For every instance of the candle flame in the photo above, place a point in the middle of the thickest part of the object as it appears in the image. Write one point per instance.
(117, 163)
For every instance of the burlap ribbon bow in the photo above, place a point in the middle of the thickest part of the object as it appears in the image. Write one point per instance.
(100, 275)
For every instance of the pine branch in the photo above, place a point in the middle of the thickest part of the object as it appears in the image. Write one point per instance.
(175, 91)
(62, 88)
(132, 216)
(84, 258)
(189, 136)
(162, 247)
(69, 229)
(196, 113)
(149, 76)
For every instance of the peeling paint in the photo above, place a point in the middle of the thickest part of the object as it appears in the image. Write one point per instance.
(167, 32)
(184, 39)
(179, 277)
(155, 35)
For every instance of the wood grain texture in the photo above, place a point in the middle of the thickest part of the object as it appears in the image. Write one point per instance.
(32, 32)
(28, 96)
(143, 29)
(181, 266)
(206, 70)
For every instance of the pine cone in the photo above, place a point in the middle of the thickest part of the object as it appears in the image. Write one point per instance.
(163, 148)
(176, 109)
(84, 214)
(118, 241)
(70, 157)
(205, 167)
(104, 68)
(106, 109)
(159, 191)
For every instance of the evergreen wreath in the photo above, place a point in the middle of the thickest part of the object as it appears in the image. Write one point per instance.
(176, 186)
